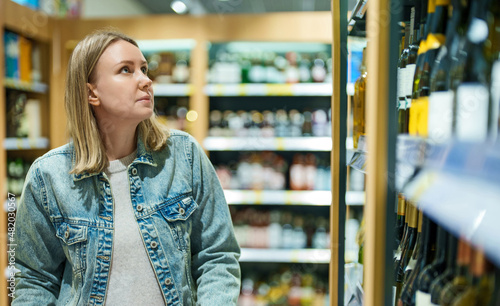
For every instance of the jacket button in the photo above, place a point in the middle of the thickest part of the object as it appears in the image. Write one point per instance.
(134, 171)
(181, 211)
(139, 208)
(154, 245)
(66, 234)
(168, 281)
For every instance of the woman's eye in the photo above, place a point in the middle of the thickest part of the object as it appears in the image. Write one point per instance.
(144, 70)
(125, 70)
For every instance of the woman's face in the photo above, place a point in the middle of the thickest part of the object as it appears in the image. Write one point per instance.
(121, 93)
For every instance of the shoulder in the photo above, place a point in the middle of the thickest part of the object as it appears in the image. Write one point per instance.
(176, 137)
(57, 158)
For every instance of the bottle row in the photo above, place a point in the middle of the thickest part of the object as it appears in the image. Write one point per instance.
(279, 123)
(23, 58)
(431, 265)
(16, 172)
(23, 115)
(273, 229)
(270, 67)
(448, 73)
(169, 67)
(269, 171)
(289, 286)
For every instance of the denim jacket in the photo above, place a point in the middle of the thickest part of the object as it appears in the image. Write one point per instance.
(64, 228)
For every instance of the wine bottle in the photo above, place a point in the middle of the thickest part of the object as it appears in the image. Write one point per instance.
(434, 41)
(472, 99)
(416, 250)
(493, 56)
(416, 106)
(426, 255)
(399, 250)
(460, 282)
(432, 270)
(451, 259)
(415, 38)
(359, 103)
(400, 220)
(440, 121)
(401, 104)
(407, 249)
(480, 290)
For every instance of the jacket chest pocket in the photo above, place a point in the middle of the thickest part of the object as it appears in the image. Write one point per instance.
(177, 214)
(74, 238)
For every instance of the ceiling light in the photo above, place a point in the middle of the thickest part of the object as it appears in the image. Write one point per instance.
(179, 6)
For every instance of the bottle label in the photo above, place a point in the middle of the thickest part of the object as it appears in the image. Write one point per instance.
(423, 115)
(413, 122)
(394, 290)
(440, 120)
(401, 82)
(422, 299)
(435, 40)
(410, 73)
(472, 112)
(495, 98)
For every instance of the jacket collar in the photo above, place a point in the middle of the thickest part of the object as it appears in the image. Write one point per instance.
(143, 157)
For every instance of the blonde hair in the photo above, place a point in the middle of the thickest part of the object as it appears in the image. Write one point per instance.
(90, 153)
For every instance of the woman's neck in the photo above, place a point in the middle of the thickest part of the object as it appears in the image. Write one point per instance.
(119, 142)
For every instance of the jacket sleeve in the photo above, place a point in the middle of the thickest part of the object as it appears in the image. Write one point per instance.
(38, 254)
(215, 251)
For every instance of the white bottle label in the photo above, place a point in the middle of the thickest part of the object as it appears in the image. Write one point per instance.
(495, 98)
(410, 73)
(401, 82)
(422, 299)
(440, 121)
(472, 112)
(394, 295)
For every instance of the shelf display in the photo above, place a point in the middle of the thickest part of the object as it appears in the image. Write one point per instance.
(272, 63)
(440, 156)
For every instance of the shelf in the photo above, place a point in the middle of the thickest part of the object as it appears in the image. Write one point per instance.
(299, 89)
(26, 86)
(268, 144)
(26, 143)
(172, 90)
(459, 188)
(290, 197)
(319, 256)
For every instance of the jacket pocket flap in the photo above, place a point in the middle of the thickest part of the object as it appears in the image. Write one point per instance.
(71, 233)
(180, 209)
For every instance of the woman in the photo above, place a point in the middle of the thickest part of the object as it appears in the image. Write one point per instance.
(126, 213)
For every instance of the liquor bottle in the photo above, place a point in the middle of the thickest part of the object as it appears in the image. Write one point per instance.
(402, 262)
(399, 249)
(433, 270)
(494, 55)
(426, 255)
(451, 259)
(401, 105)
(480, 290)
(434, 41)
(473, 101)
(460, 282)
(411, 63)
(400, 220)
(416, 250)
(359, 103)
(440, 121)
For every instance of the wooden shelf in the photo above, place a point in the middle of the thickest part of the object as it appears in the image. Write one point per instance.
(268, 144)
(299, 89)
(172, 90)
(289, 197)
(25, 143)
(26, 86)
(317, 256)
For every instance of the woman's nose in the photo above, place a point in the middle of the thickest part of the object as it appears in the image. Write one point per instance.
(145, 81)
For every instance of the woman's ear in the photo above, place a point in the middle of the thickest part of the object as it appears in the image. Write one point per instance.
(93, 99)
